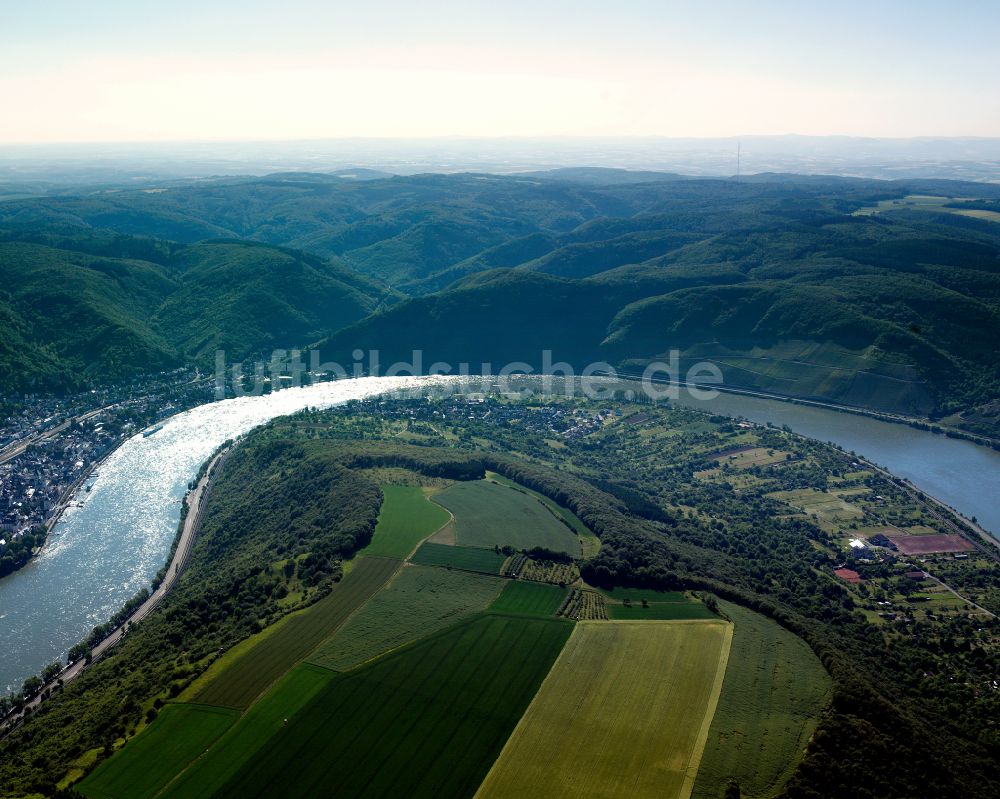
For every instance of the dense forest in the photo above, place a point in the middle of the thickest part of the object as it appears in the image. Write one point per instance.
(803, 286)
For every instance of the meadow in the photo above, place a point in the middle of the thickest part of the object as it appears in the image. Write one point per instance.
(660, 611)
(533, 599)
(830, 511)
(623, 713)
(639, 604)
(590, 543)
(485, 561)
(242, 679)
(774, 692)
(142, 769)
(405, 519)
(425, 721)
(419, 601)
(488, 514)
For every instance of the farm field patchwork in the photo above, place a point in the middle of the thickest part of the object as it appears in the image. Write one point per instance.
(533, 599)
(239, 681)
(406, 518)
(249, 735)
(488, 514)
(774, 692)
(485, 561)
(148, 762)
(419, 601)
(623, 713)
(425, 721)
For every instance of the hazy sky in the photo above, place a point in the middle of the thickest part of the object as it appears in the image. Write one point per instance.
(137, 70)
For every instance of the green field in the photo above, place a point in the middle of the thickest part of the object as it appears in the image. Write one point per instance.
(425, 721)
(830, 510)
(406, 518)
(590, 542)
(250, 734)
(419, 601)
(148, 762)
(488, 514)
(639, 594)
(660, 611)
(485, 561)
(660, 605)
(623, 713)
(243, 679)
(774, 692)
(533, 599)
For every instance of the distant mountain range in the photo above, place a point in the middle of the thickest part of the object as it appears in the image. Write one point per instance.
(65, 166)
(874, 293)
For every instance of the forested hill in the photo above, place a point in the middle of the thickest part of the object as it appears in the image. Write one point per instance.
(72, 312)
(883, 294)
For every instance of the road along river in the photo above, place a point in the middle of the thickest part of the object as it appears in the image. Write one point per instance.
(99, 556)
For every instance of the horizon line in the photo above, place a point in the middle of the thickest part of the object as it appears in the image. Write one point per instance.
(499, 137)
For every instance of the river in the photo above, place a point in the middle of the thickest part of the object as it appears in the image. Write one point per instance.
(959, 473)
(102, 554)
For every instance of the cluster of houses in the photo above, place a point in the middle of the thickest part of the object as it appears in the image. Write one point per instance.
(546, 420)
(32, 483)
(48, 443)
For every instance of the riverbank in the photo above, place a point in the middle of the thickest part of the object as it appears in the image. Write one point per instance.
(69, 495)
(195, 502)
(917, 423)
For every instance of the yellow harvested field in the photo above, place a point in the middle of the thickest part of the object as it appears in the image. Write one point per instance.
(625, 712)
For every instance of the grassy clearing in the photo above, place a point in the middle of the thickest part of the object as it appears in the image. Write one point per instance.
(148, 762)
(829, 510)
(488, 514)
(623, 713)
(639, 594)
(406, 518)
(926, 202)
(758, 456)
(978, 213)
(774, 691)
(484, 561)
(660, 611)
(243, 679)
(640, 604)
(425, 721)
(533, 599)
(590, 543)
(419, 601)
(250, 734)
